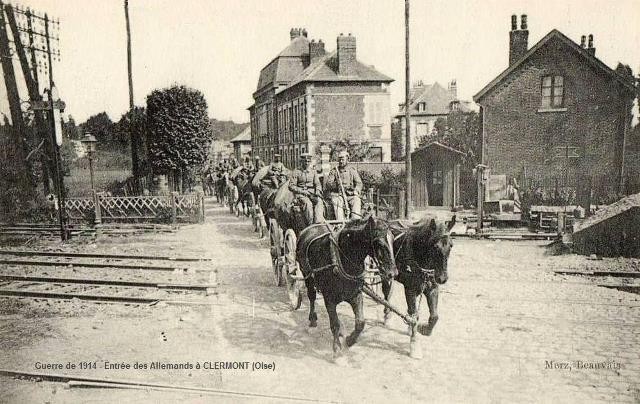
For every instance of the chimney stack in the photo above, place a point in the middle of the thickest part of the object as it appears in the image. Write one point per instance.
(316, 50)
(583, 41)
(346, 55)
(304, 32)
(590, 47)
(296, 32)
(518, 38)
(453, 89)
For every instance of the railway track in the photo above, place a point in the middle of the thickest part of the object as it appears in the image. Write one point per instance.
(98, 290)
(35, 282)
(25, 253)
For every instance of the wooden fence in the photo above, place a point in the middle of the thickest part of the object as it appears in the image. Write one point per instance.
(584, 190)
(165, 208)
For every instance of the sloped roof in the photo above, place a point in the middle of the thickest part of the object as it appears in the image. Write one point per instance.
(244, 136)
(437, 100)
(326, 69)
(286, 65)
(297, 47)
(557, 35)
(439, 146)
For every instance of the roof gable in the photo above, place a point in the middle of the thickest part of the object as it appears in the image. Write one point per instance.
(440, 146)
(326, 69)
(554, 35)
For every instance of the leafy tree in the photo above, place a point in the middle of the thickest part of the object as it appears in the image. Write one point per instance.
(135, 122)
(100, 126)
(70, 130)
(179, 129)
(358, 150)
(460, 130)
(226, 130)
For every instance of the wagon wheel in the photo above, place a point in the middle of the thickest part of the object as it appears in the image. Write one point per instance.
(275, 241)
(291, 270)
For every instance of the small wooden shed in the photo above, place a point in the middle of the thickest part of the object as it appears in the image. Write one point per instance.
(435, 172)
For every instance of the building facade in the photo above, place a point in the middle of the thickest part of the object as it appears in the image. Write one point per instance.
(242, 144)
(555, 109)
(428, 102)
(307, 97)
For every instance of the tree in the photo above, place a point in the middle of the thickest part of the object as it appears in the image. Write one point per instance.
(358, 150)
(70, 130)
(100, 126)
(179, 129)
(133, 124)
(460, 130)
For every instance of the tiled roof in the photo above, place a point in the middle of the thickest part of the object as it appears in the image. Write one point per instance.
(557, 35)
(438, 145)
(244, 136)
(326, 69)
(287, 65)
(436, 98)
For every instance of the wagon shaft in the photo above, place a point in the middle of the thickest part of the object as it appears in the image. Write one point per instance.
(407, 319)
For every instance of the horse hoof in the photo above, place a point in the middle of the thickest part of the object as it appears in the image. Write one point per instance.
(340, 360)
(425, 329)
(415, 351)
(313, 324)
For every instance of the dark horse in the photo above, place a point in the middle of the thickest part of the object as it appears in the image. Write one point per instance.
(422, 254)
(333, 262)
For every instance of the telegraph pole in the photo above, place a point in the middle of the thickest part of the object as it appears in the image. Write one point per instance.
(407, 115)
(42, 56)
(134, 141)
(17, 125)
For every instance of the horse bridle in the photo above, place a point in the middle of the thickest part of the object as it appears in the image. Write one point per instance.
(429, 273)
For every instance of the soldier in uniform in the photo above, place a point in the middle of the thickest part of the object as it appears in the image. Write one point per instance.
(277, 173)
(342, 183)
(305, 184)
(258, 164)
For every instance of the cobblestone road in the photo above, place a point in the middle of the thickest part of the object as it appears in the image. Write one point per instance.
(509, 331)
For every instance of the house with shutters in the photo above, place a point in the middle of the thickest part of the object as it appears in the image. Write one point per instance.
(307, 97)
(555, 109)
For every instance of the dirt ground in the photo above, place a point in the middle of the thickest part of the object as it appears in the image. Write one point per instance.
(508, 325)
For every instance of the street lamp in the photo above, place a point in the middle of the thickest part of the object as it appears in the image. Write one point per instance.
(89, 143)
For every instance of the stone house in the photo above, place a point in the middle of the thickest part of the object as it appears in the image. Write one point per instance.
(307, 97)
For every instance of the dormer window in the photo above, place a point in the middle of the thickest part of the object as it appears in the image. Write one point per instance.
(422, 106)
(552, 92)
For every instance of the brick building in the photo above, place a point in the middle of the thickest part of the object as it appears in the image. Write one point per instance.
(307, 97)
(427, 104)
(555, 100)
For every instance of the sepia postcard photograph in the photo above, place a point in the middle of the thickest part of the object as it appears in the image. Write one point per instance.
(331, 201)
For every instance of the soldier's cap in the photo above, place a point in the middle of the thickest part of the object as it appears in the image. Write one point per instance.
(277, 155)
(343, 153)
(257, 157)
(305, 155)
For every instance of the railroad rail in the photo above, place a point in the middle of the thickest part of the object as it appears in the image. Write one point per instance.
(99, 290)
(24, 253)
(90, 265)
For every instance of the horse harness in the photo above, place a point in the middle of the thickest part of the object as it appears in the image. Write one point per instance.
(338, 268)
(428, 273)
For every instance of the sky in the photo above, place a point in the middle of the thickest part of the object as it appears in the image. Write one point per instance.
(219, 46)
